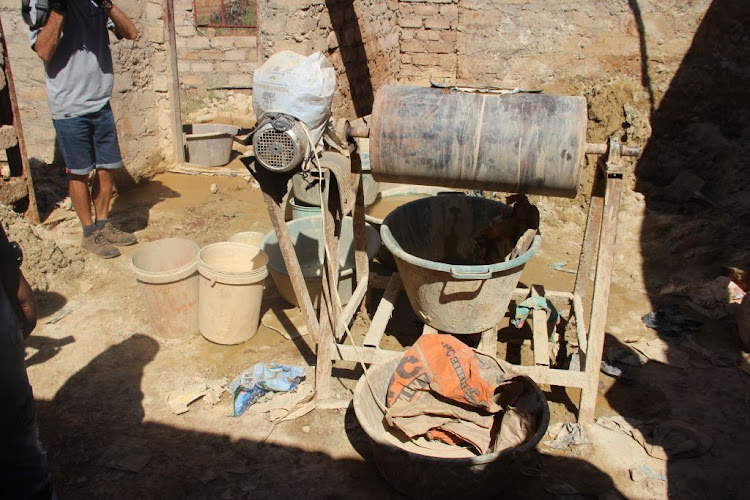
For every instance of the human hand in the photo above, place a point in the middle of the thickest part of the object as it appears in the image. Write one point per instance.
(104, 4)
(59, 6)
(27, 304)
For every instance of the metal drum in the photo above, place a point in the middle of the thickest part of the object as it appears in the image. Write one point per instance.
(524, 142)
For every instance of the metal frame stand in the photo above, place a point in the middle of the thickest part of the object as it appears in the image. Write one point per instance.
(328, 331)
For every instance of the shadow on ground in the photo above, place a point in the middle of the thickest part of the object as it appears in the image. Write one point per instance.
(699, 128)
(95, 426)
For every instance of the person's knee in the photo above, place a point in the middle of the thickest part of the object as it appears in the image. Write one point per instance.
(79, 178)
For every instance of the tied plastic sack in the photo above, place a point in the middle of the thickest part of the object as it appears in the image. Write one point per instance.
(445, 392)
(298, 86)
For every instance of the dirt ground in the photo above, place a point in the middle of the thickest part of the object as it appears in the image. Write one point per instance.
(102, 378)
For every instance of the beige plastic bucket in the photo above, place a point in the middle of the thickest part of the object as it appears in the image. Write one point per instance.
(166, 271)
(253, 238)
(231, 291)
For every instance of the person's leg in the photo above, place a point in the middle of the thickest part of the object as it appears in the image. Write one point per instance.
(101, 192)
(75, 137)
(23, 464)
(78, 189)
(108, 159)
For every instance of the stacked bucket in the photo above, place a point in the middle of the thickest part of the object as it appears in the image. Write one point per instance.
(216, 291)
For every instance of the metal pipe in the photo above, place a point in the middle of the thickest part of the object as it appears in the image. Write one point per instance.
(360, 132)
(592, 148)
(600, 148)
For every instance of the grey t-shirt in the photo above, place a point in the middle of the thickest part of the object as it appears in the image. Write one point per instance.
(80, 75)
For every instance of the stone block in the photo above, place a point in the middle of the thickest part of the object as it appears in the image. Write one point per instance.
(440, 48)
(241, 79)
(188, 55)
(235, 55)
(154, 11)
(244, 42)
(405, 9)
(123, 83)
(161, 83)
(199, 42)
(223, 42)
(8, 137)
(449, 36)
(437, 23)
(425, 59)
(187, 30)
(410, 21)
(210, 55)
(192, 79)
(227, 66)
(449, 11)
(154, 34)
(31, 93)
(412, 46)
(424, 35)
(425, 9)
(408, 34)
(202, 67)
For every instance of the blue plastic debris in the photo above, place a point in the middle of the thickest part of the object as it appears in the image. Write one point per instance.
(262, 378)
(524, 309)
(560, 266)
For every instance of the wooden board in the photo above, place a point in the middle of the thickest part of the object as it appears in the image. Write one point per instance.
(539, 329)
(383, 313)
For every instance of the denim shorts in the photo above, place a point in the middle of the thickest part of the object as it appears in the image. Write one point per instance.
(89, 141)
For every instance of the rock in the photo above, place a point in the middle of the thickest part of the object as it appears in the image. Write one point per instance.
(214, 189)
(306, 429)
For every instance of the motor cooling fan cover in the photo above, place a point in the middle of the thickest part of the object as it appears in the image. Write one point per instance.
(280, 150)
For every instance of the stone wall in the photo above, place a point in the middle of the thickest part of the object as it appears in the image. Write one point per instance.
(429, 34)
(608, 51)
(140, 99)
(618, 54)
(211, 61)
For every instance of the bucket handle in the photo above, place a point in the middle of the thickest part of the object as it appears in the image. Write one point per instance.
(482, 273)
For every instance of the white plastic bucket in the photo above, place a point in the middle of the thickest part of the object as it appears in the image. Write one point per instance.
(252, 238)
(168, 280)
(231, 291)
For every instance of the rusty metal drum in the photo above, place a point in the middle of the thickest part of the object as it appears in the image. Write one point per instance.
(524, 142)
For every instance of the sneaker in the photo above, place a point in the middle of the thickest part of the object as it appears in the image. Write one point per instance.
(98, 244)
(118, 236)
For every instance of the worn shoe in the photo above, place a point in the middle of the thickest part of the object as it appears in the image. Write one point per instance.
(117, 236)
(98, 244)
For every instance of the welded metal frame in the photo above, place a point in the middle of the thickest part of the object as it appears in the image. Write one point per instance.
(329, 330)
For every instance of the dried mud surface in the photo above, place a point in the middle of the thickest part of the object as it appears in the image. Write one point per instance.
(102, 378)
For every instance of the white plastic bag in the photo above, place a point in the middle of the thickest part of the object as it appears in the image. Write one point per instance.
(299, 86)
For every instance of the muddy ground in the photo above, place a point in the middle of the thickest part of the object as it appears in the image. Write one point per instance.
(102, 378)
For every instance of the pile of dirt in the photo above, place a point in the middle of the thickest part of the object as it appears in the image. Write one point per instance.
(219, 106)
(44, 262)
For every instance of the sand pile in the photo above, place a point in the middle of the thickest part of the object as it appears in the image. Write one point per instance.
(44, 262)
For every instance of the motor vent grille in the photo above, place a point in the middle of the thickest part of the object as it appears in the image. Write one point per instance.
(276, 150)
